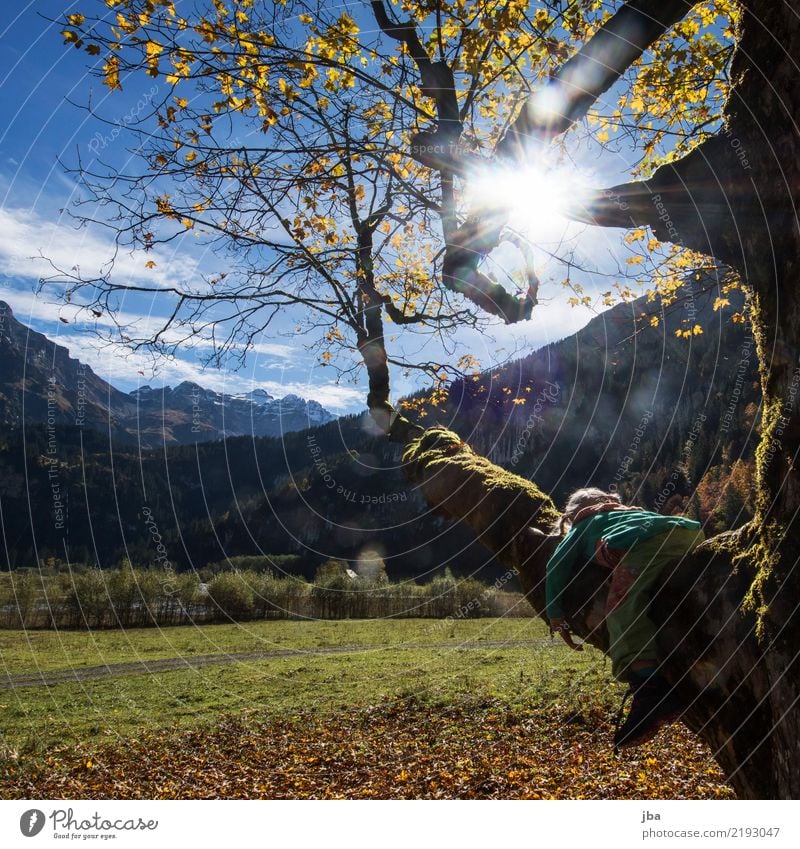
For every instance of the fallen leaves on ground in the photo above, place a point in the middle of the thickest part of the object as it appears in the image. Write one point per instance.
(399, 750)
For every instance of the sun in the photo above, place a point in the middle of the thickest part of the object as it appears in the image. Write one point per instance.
(536, 195)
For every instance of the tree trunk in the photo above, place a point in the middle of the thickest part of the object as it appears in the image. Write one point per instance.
(744, 187)
(762, 116)
(729, 623)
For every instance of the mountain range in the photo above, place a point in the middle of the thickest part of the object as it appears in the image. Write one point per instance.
(40, 382)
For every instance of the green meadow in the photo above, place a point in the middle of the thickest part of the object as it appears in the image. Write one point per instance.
(339, 665)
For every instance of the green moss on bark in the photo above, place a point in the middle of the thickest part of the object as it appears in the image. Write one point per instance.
(498, 505)
(438, 450)
(762, 556)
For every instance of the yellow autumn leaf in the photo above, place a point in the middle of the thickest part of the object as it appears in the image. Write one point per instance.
(111, 73)
(635, 236)
(164, 206)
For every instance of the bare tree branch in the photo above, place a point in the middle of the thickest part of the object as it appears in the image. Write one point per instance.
(581, 80)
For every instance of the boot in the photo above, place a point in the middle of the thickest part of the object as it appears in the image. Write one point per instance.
(654, 706)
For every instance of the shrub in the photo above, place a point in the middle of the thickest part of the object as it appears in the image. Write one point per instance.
(332, 596)
(231, 595)
(87, 599)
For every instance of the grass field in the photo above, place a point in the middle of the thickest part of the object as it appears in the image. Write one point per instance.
(26, 651)
(397, 665)
(454, 685)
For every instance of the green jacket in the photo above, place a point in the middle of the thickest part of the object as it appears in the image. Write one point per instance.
(619, 529)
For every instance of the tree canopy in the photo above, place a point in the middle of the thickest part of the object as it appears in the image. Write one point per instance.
(292, 139)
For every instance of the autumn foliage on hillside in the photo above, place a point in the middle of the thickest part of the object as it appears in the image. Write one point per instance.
(724, 496)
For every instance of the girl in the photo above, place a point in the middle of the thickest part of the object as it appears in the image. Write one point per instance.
(636, 545)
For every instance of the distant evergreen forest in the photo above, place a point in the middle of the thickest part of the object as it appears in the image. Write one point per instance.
(671, 423)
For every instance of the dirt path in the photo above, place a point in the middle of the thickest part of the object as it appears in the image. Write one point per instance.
(171, 664)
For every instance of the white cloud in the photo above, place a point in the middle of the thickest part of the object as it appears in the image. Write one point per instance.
(332, 396)
(32, 308)
(31, 245)
(273, 349)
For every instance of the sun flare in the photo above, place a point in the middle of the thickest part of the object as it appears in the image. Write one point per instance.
(537, 195)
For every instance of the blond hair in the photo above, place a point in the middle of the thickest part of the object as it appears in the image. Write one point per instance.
(580, 499)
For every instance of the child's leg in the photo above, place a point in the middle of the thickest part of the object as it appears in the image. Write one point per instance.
(632, 633)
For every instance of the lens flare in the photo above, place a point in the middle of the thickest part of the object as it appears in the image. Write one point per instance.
(536, 195)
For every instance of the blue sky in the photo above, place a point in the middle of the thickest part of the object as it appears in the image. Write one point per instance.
(45, 134)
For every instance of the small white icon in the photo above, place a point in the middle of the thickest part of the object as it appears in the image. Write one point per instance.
(31, 822)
